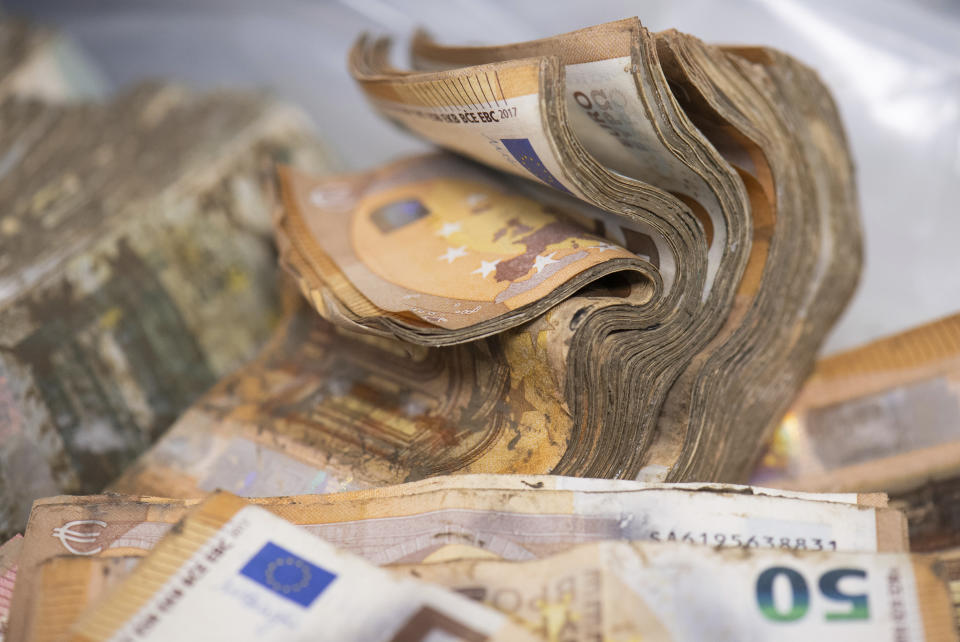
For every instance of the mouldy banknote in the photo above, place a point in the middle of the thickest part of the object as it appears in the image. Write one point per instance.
(86, 526)
(438, 251)
(9, 556)
(885, 416)
(718, 241)
(68, 585)
(136, 268)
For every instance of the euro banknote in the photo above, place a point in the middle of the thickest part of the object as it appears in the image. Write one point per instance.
(232, 571)
(67, 585)
(883, 416)
(84, 526)
(629, 591)
(436, 250)
(125, 292)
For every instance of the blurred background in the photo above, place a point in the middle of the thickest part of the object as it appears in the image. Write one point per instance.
(894, 67)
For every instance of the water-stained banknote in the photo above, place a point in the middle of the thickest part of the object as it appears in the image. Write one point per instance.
(631, 591)
(885, 416)
(232, 571)
(67, 585)
(99, 525)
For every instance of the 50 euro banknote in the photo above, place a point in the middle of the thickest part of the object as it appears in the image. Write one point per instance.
(437, 250)
(232, 571)
(883, 415)
(643, 591)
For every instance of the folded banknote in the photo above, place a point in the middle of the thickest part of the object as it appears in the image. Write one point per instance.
(232, 571)
(638, 287)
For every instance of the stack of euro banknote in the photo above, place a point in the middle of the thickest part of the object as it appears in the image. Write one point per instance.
(477, 557)
(511, 389)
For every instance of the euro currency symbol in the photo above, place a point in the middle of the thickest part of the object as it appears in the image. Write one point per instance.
(73, 533)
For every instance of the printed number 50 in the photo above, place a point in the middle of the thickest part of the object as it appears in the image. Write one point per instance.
(800, 595)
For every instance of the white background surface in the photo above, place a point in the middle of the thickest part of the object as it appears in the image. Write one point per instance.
(894, 67)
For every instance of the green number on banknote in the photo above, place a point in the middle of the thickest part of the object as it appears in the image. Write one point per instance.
(799, 594)
(830, 587)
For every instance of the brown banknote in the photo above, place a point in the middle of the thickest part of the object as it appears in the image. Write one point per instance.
(673, 373)
(740, 146)
(437, 250)
(884, 417)
(631, 591)
(323, 409)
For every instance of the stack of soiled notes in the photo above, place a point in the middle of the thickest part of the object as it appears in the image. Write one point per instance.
(476, 557)
(625, 270)
(137, 265)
